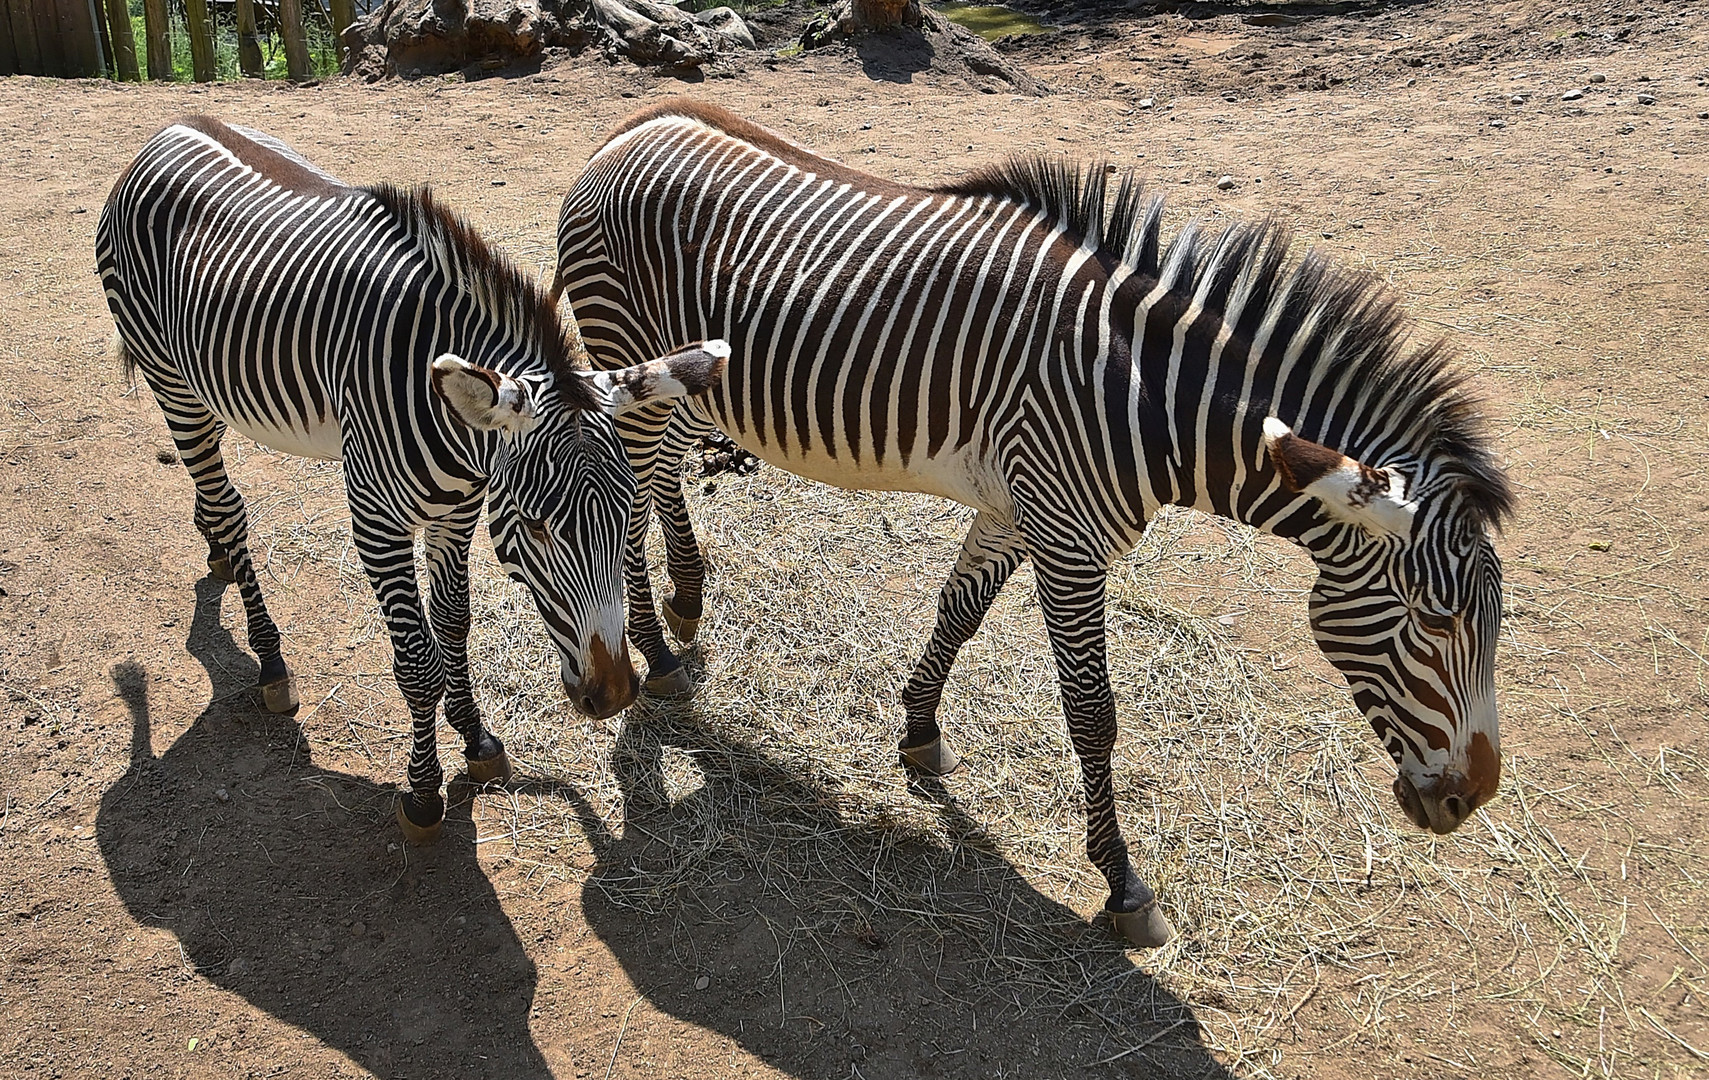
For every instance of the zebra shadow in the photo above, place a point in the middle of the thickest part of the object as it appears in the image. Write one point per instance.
(830, 948)
(285, 884)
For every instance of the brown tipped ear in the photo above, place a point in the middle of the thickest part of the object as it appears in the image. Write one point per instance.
(1374, 499)
(481, 398)
(1300, 462)
(684, 373)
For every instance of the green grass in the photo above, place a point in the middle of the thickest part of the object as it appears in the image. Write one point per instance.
(323, 52)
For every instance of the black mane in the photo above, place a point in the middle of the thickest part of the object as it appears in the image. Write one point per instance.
(498, 285)
(1257, 262)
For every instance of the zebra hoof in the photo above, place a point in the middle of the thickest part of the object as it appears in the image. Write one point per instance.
(1146, 927)
(495, 769)
(219, 568)
(681, 627)
(934, 758)
(674, 683)
(280, 696)
(421, 816)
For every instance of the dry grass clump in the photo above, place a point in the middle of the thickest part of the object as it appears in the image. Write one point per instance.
(1313, 918)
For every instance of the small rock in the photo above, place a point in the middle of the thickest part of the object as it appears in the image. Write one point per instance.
(1646, 99)
(222, 795)
(1327, 235)
(1355, 224)
(1601, 545)
(1498, 123)
(1516, 99)
(866, 127)
(1225, 183)
(1703, 116)
(498, 183)
(1572, 95)
(1412, 82)
(703, 982)
(1625, 129)
(1146, 103)
(1598, 77)
(358, 929)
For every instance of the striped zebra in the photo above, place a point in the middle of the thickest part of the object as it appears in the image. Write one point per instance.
(371, 325)
(1025, 344)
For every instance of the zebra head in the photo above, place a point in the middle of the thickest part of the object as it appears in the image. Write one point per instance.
(560, 494)
(1407, 606)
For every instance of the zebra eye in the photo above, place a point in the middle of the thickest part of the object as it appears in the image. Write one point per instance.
(536, 528)
(1441, 624)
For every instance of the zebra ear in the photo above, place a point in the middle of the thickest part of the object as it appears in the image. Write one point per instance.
(1374, 499)
(483, 399)
(684, 373)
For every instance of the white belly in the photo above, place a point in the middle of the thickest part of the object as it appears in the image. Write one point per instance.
(323, 441)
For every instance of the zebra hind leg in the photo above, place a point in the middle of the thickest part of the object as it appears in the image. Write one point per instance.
(447, 550)
(223, 521)
(1071, 593)
(989, 554)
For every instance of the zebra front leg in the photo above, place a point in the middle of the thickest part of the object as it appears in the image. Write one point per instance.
(643, 433)
(685, 606)
(1071, 593)
(989, 554)
(447, 549)
(418, 666)
(223, 521)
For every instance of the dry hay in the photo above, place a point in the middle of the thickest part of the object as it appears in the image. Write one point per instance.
(1312, 917)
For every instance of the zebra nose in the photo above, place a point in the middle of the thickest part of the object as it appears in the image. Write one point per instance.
(610, 684)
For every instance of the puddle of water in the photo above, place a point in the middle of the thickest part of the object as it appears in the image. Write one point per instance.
(991, 21)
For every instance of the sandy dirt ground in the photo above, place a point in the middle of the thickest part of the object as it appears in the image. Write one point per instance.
(745, 886)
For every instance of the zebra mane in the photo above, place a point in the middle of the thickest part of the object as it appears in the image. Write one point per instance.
(1349, 320)
(495, 283)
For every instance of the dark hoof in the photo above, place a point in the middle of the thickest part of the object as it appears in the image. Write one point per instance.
(1146, 927)
(495, 769)
(421, 816)
(674, 683)
(681, 627)
(280, 696)
(219, 568)
(934, 758)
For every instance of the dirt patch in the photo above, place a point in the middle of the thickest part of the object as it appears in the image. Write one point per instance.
(744, 883)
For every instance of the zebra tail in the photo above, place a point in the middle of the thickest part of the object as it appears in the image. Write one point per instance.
(120, 352)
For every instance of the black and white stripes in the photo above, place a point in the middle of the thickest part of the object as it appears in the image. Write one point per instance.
(371, 325)
(1025, 343)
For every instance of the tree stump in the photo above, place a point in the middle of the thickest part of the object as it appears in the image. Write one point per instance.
(910, 37)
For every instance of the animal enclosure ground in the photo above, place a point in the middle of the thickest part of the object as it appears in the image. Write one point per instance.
(745, 884)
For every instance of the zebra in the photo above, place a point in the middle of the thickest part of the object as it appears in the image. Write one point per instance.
(372, 325)
(1024, 342)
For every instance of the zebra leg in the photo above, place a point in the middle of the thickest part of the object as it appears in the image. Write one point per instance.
(447, 549)
(643, 432)
(685, 605)
(989, 554)
(417, 663)
(1071, 593)
(223, 521)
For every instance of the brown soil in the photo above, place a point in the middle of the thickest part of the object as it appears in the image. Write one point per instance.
(191, 887)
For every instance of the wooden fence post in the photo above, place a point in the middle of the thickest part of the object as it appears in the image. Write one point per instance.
(201, 39)
(296, 42)
(124, 42)
(248, 49)
(343, 14)
(154, 29)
